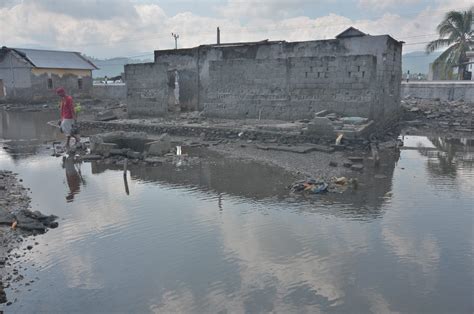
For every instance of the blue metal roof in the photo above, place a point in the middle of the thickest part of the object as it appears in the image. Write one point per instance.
(55, 59)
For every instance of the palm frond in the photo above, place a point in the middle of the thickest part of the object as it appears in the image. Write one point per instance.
(446, 56)
(456, 18)
(438, 43)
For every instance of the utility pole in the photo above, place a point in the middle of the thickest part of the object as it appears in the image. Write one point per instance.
(175, 36)
(218, 36)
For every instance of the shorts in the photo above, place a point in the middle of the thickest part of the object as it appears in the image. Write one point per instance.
(66, 126)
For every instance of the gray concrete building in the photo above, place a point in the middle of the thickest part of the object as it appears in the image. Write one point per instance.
(354, 74)
(31, 75)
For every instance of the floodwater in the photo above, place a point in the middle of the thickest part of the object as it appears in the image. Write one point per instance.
(226, 236)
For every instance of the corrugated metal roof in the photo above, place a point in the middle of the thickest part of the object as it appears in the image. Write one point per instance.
(55, 59)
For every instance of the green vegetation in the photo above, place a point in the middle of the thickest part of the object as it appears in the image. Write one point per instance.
(455, 32)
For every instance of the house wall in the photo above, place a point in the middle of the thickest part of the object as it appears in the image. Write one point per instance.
(147, 89)
(270, 77)
(66, 78)
(291, 88)
(16, 76)
(24, 83)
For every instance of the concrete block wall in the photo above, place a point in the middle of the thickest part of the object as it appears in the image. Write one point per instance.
(15, 74)
(257, 82)
(41, 92)
(110, 91)
(293, 88)
(184, 62)
(443, 90)
(147, 91)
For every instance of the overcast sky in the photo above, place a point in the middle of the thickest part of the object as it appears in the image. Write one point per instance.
(110, 28)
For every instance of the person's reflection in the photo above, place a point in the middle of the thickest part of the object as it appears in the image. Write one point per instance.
(73, 178)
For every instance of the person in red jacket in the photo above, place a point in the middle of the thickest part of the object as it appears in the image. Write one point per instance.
(68, 116)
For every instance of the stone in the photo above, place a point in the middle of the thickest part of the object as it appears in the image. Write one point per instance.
(333, 164)
(321, 126)
(357, 167)
(159, 147)
(102, 148)
(134, 155)
(105, 116)
(356, 159)
(91, 157)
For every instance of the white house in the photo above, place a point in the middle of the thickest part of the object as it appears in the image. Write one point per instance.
(470, 66)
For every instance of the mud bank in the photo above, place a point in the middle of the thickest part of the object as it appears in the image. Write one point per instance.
(16, 223)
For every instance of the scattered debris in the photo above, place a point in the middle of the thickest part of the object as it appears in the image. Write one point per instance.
(300, 149)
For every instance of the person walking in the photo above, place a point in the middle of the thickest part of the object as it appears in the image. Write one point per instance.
(68, 117)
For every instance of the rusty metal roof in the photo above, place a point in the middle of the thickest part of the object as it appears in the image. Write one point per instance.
(55, 59)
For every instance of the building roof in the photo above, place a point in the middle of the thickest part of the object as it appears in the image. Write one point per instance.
(55, 59)
(351, 32)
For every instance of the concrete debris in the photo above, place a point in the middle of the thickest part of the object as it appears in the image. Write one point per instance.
(357, 167)
(301, 149)
(455, 115)
(105, 116)
(159, 147)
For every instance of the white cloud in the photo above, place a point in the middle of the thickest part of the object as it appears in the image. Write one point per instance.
(383, 4)
(137, 27)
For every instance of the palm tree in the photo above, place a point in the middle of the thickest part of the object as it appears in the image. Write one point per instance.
(456, 32)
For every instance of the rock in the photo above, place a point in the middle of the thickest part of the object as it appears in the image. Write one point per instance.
(103, 148)
(357, 167)
(155, 160)
(29, 247)
(333, 164)
(105, 116)
(91, 157)
(134, 155)
(356, 159)
(159, 147)
(321, 126)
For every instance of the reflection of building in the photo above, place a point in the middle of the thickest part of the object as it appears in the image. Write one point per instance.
(18, 125)
(32, 75)
(220, 176)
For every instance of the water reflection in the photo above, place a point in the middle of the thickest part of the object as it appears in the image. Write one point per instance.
(19, 125)
(74, 177)
(221, 236)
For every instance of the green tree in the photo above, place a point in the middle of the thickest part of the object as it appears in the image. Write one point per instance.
(457, 33)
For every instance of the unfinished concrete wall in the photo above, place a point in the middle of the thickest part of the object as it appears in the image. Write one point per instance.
(147, 89)
(77, 83)
(292, 88)
(110, 91)
(15, 74)
(259, 88)
(444, 90)
(185, 63)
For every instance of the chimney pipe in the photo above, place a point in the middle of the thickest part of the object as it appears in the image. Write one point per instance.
(218, 36)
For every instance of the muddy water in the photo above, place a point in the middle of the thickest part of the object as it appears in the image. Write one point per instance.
(225, 235)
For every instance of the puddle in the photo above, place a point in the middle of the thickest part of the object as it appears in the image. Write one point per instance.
(225, 235)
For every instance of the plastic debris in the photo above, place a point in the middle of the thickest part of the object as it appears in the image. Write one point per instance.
(339, 139)
(310, 186)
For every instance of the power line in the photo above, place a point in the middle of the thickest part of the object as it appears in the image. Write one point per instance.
(262, 30)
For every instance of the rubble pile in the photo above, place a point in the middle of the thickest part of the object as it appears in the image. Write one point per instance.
(14, 204)
(455, 115)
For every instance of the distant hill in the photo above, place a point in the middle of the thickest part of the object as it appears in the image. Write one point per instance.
(418, 61)
(113, 67)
